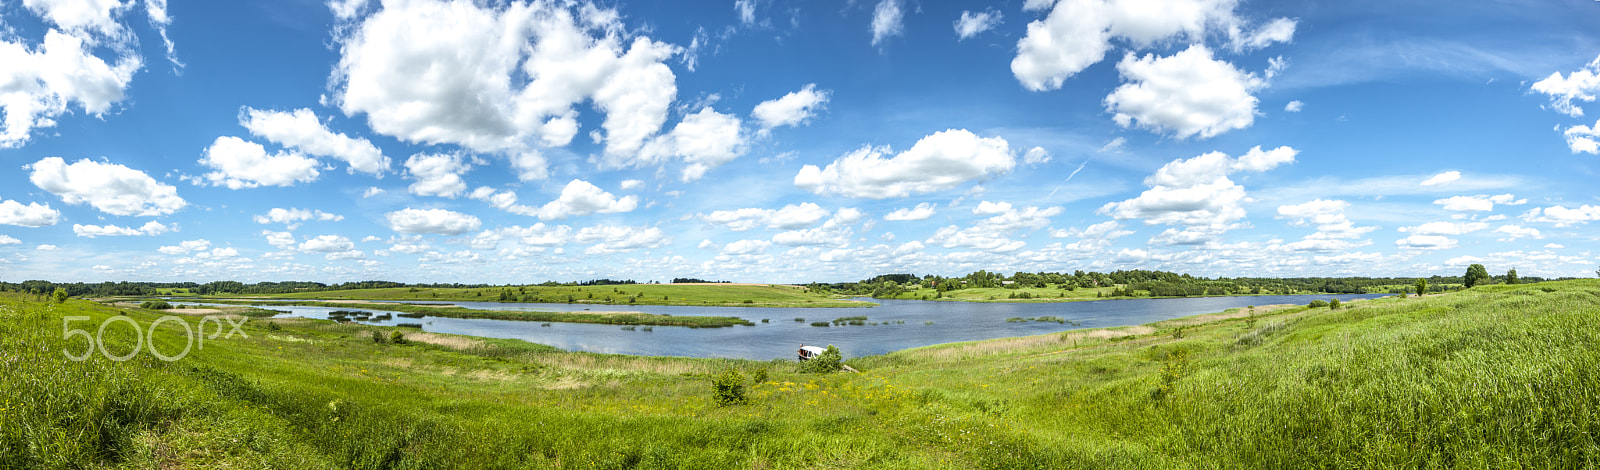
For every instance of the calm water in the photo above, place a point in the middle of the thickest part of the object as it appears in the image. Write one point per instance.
(782, 335)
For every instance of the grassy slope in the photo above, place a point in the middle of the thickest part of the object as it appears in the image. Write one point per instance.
(646, 294)
(1493, 377)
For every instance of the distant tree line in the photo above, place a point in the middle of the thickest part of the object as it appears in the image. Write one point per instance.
(1139, 282)
(690, 280)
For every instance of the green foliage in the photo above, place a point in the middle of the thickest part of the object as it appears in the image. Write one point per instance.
(1511, 277)
(829, 361)
(1333, 304)
(397, 337)
(1476, 274)
(728, 388)
(821, 323)
(1319, 303)
(155, 305)
(379, 337)
(760, 376)
(1422, 287)
(60, 295)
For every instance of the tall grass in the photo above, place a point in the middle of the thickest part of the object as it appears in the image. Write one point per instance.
(1492, 377)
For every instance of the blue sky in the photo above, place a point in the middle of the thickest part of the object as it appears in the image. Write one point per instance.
(786, 141)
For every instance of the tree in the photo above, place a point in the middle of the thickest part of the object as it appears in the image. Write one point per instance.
(1511, 277)
(1422, 287)
(1476, 274)
(60, 295)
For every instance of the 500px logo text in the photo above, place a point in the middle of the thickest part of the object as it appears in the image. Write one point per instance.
(141, 337)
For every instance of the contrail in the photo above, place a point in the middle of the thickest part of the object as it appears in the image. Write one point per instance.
(1069, 178)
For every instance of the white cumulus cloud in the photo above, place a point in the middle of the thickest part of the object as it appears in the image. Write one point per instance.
(437, 174)
(1583, 139)
(581, 197)
(923, 211)
(85, 61)
(1562, 216)
(610, 239)
(1442, 178)
(1479, 203)
(1514, 232)
(186, 247)
(292, 216)
(1197, 192)
(792, 109)
(1566, 92)
(439, 221)
(109, 187)
(887, 21)
(971, 24)
(31, 215)
(1426, 242)
(1189, 93)
(327, 244)
(301, 130)
(1078, 33)
(938, 162)
(243, 164)
(92, 231)
(503, 77)
(704, 140)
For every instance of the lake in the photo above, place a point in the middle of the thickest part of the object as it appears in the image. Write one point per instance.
(901, 324)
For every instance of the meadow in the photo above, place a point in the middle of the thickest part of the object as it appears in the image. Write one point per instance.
(703, 295)
(1494, 376)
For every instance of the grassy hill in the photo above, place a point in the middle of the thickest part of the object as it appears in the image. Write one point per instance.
(732, 295)
(1495, 376)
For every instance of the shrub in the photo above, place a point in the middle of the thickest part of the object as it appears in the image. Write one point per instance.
(748, 301)
(397, 337)
(828, 361)
(1333, 304)
(60, 295)
(1319, 303)
(820, 323)
(728, 388)
(273, 326)
(760, 375)
(155, 305)
(378, 337)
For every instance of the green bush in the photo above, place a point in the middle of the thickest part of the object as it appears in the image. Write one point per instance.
(1333, 304)
(828, 361)
(155, 305)
(760, 376)
(728, 388)
(378, 337)
(397, 337)
(1319, 303)
(820, 323)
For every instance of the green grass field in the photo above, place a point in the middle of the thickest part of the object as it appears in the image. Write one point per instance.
(723, 295)
(1493, 377)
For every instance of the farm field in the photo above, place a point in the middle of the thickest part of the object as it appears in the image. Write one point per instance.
(1494, 376)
